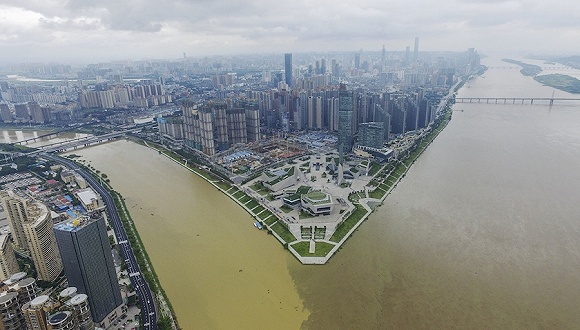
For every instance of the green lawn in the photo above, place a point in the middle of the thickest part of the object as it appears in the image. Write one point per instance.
(237, 194)
(258, 209)
(223, 185)
(286, 208)
(322, 249)
(283, 232)
(244, 199)
(375, 167)
(270, 221)
(347, 225)
(378, 194)
(253, 203)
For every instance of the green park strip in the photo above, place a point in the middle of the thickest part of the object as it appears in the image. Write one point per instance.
(349, 223)
(321, 249)
(377, 193)
(252, 204)
(270, 219)
(283, 232)
(258, 210)
(265, 215)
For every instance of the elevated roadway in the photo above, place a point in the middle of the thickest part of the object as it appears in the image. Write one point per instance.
(149, 314)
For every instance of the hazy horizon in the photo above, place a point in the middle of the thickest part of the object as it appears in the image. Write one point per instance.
(83, 31)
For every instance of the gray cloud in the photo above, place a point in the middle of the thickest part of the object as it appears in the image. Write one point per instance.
(203, 27)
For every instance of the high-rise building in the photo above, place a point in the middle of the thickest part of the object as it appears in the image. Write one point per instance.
(21, 111)
(5, 114)
(88, 264)
(41, 242)
(371, 135)
(35, 312)
(288, 68)
(80, 304)
(10, 312)
(345, 119)
(15, 208)
(357, 61)
(8, 263)
(237, 128)
(383, 56)
(31, 226)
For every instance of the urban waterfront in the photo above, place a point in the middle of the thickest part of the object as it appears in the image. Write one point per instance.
(480, 233)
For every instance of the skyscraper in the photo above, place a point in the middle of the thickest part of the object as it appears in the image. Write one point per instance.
(41, 242)
(288, 68)
(30, 224)
(345, 119)
(88, 263)
(15, 208)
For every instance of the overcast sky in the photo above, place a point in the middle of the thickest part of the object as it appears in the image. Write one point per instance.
(103, 30)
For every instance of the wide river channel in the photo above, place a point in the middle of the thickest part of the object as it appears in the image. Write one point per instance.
(483, 232)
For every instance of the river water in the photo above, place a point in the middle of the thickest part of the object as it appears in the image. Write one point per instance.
(482, 232)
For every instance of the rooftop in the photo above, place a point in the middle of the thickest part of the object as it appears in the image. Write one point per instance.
(316, 197)
(87, 196)
(74, 225)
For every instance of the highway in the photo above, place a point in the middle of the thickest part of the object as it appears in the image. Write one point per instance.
(148, 310)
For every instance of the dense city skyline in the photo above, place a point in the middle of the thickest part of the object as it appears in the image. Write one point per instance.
(109, 30)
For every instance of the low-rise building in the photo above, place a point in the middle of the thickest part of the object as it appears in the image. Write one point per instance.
(317, 203)
(90, 200)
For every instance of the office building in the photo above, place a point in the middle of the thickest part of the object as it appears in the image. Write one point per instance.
(88, 264)
(288, 68)
(346, 119)
(371, 135)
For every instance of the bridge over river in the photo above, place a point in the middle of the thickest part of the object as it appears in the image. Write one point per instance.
(513, 100)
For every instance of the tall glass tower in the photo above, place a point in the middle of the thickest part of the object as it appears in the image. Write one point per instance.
(88, 264)
(345, 119)
(288, 68)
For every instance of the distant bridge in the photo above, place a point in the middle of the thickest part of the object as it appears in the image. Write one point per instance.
(519, 67)
(50, 135)
(512, 100)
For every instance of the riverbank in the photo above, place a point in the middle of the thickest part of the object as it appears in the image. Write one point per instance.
(313, 251)
(168, 320)
(560, 81)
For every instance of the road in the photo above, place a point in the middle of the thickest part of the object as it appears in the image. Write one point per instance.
(148, 310)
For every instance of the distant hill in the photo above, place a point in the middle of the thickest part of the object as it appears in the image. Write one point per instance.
(527, 69)
(573, 61)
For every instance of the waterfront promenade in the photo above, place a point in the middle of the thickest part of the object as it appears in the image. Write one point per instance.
(279, 225)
